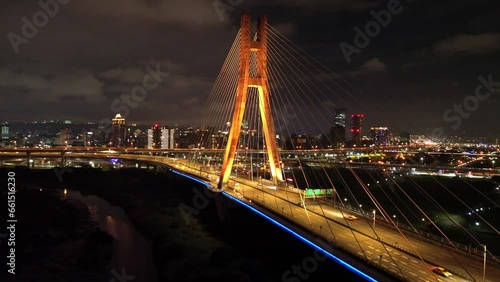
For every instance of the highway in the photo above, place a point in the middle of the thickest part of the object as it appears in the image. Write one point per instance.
(404, 256)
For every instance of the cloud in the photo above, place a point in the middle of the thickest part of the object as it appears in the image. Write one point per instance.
(468, 44)
(196, 12)
(338, 4)
(9, 79)
(374, 64)
(81, 84)
(371, 66)
(124, 75)
(135, 74)
(458, 45)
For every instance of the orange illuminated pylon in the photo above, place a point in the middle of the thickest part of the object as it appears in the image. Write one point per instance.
(249, 46)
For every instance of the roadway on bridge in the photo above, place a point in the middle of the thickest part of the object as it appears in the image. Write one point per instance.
(357, 236)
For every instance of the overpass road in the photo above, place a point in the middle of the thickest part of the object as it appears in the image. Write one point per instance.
(381, 245)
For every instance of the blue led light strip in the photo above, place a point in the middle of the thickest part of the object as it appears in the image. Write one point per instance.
(192, 178)
(300, 237)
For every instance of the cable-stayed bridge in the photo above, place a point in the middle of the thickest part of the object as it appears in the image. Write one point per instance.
(378, 222)
(269, 94)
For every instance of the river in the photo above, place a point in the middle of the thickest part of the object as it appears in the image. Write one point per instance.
(133, 254)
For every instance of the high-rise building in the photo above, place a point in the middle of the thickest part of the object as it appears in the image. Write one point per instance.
(5, 133)
(339, 117)
(154, 137)
(118, 131)
(337, 131)
(168, 138)
(184, 136)
(161, 137)
(379, 135)
(357, 126)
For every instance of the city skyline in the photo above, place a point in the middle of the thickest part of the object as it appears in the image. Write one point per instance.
(409, 77)
(366, 128)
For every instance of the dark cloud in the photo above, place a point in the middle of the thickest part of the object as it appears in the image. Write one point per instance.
(469, 44)
(90, 53)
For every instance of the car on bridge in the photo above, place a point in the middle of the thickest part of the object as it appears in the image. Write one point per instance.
(300, 204)
(350, 217)
(441, 271)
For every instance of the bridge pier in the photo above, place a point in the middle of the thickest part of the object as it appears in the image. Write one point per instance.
(223, 204)
(62, 159)
(28, 159)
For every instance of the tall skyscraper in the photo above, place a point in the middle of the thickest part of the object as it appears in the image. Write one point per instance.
(379, 136)
(337, 131)
(118, 133)
(357, 126)
(5, 133)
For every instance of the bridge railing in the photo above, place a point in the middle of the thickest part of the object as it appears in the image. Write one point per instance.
(469, 251)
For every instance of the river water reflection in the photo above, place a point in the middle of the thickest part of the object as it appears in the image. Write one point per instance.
(132, 252)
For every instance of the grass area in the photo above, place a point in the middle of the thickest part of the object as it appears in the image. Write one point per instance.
(446, 201)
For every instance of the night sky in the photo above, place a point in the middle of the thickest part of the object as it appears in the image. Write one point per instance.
(427, 59)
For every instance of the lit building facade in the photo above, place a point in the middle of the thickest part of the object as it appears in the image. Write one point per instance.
(337, 131)
(379, 136)
(161, 137)
(118, 132)
(5, 134)
(356, 129)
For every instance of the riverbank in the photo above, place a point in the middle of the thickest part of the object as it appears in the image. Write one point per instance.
(246, 249)
(56, 240)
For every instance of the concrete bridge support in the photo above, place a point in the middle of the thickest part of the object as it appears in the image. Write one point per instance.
(223, 205)
(28, 159)
(62, 160)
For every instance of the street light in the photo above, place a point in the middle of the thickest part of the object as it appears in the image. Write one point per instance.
(484, 264)
(493, 164)
(374, 211)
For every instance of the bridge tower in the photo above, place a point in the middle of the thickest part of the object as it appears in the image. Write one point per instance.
(252, 44)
